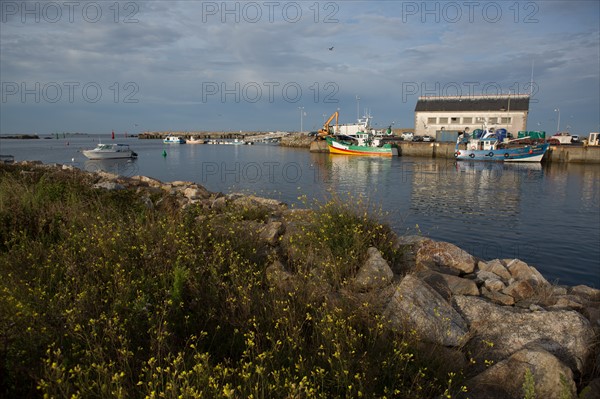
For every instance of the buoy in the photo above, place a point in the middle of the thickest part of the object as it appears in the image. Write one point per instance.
(164, 153)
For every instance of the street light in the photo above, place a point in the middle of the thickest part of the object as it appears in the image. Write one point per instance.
(558, 123)
(301, 116)
(357, 107)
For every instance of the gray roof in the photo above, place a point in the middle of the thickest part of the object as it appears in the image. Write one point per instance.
(520, 103)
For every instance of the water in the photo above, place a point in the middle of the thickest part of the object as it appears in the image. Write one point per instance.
(546, 215)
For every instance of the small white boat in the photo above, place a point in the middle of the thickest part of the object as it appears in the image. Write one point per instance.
(195, 140)
(110, 151)
(174, 140)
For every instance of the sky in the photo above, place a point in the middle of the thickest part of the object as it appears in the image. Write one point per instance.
(134, 66)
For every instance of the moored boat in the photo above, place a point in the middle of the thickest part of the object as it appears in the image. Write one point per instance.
(195, 140)
(349, 146)
(174, 140)
(489, 147)
(358, 143)
(110, 151)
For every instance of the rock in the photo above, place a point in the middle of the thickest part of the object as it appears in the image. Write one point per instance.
(109, 185)
(568, 302)
(519, 290)
(498, 297)
(494, 285)
(179, 183)
(461, 286)
(409, 246)
(253, 202)
(592, 312)
(566, 334)
(148, 180)
(521, 271)
(196, 192)
(497, 267)
(506, 378)
(278, 277)
(416, 305)
(586, 292)
(375, 272)
(558, 290)
(443, 254)
(436, 281)
(592, 390)
(219, 203)
(481, 276)
(271, 232)
(147, 202)
(411, 241)
(106, 175)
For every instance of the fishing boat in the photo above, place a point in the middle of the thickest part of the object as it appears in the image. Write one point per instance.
(356, 145)
(110, 151)
(174, 140)
(491, 146)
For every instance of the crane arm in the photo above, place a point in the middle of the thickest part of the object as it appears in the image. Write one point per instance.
(326, 126)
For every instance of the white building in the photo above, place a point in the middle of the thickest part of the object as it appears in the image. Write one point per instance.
(459, 114)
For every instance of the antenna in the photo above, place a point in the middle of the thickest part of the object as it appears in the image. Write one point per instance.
(531, 82)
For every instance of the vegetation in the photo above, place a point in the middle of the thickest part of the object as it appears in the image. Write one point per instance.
(102, 296)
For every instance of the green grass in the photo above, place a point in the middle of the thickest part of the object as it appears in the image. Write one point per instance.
(103, 297)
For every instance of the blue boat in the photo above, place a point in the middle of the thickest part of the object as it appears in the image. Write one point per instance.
(490, 146)
(171, 139)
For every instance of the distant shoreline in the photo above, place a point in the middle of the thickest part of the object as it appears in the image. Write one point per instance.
(21, 136)
(36, 136)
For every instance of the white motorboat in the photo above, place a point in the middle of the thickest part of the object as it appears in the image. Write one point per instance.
(174, 140)
(110, 151)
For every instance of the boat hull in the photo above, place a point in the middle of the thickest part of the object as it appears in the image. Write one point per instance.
(110, 151)
(90, 154)
(520, 154)
(337, 147)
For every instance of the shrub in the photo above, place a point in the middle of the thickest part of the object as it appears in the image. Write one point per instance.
(101, 296)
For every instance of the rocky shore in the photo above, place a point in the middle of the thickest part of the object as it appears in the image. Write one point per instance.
(499, 318)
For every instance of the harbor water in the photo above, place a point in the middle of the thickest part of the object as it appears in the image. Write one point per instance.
(545, 214)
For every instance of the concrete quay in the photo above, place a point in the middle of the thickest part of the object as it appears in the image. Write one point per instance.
(559, 154)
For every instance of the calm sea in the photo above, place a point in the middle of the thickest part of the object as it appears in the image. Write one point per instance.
(547, 215)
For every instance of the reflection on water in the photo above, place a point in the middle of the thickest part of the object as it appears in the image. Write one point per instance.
(121, 167)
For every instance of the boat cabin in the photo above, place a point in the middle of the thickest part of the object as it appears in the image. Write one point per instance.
(484, 144)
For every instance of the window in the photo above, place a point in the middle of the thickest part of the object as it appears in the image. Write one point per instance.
(442, 120)
(492, 120)
(479, 119)
(454, 120)
(431, 121)
(467, 120)
(506, 120)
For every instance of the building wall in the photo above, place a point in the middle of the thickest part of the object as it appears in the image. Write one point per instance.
(428, 122)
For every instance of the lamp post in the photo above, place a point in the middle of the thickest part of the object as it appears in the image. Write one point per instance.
(357, 107)
(508, 111)
(558, 122)
(301, 117)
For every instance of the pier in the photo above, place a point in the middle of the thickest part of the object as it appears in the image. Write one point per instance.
(245, 136)
(559, 154)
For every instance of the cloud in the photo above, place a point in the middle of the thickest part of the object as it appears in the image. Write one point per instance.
(166, 54)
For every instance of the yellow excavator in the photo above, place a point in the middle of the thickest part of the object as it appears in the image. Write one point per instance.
(326, 129)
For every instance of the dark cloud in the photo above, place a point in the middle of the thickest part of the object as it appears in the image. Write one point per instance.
(171, 51)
